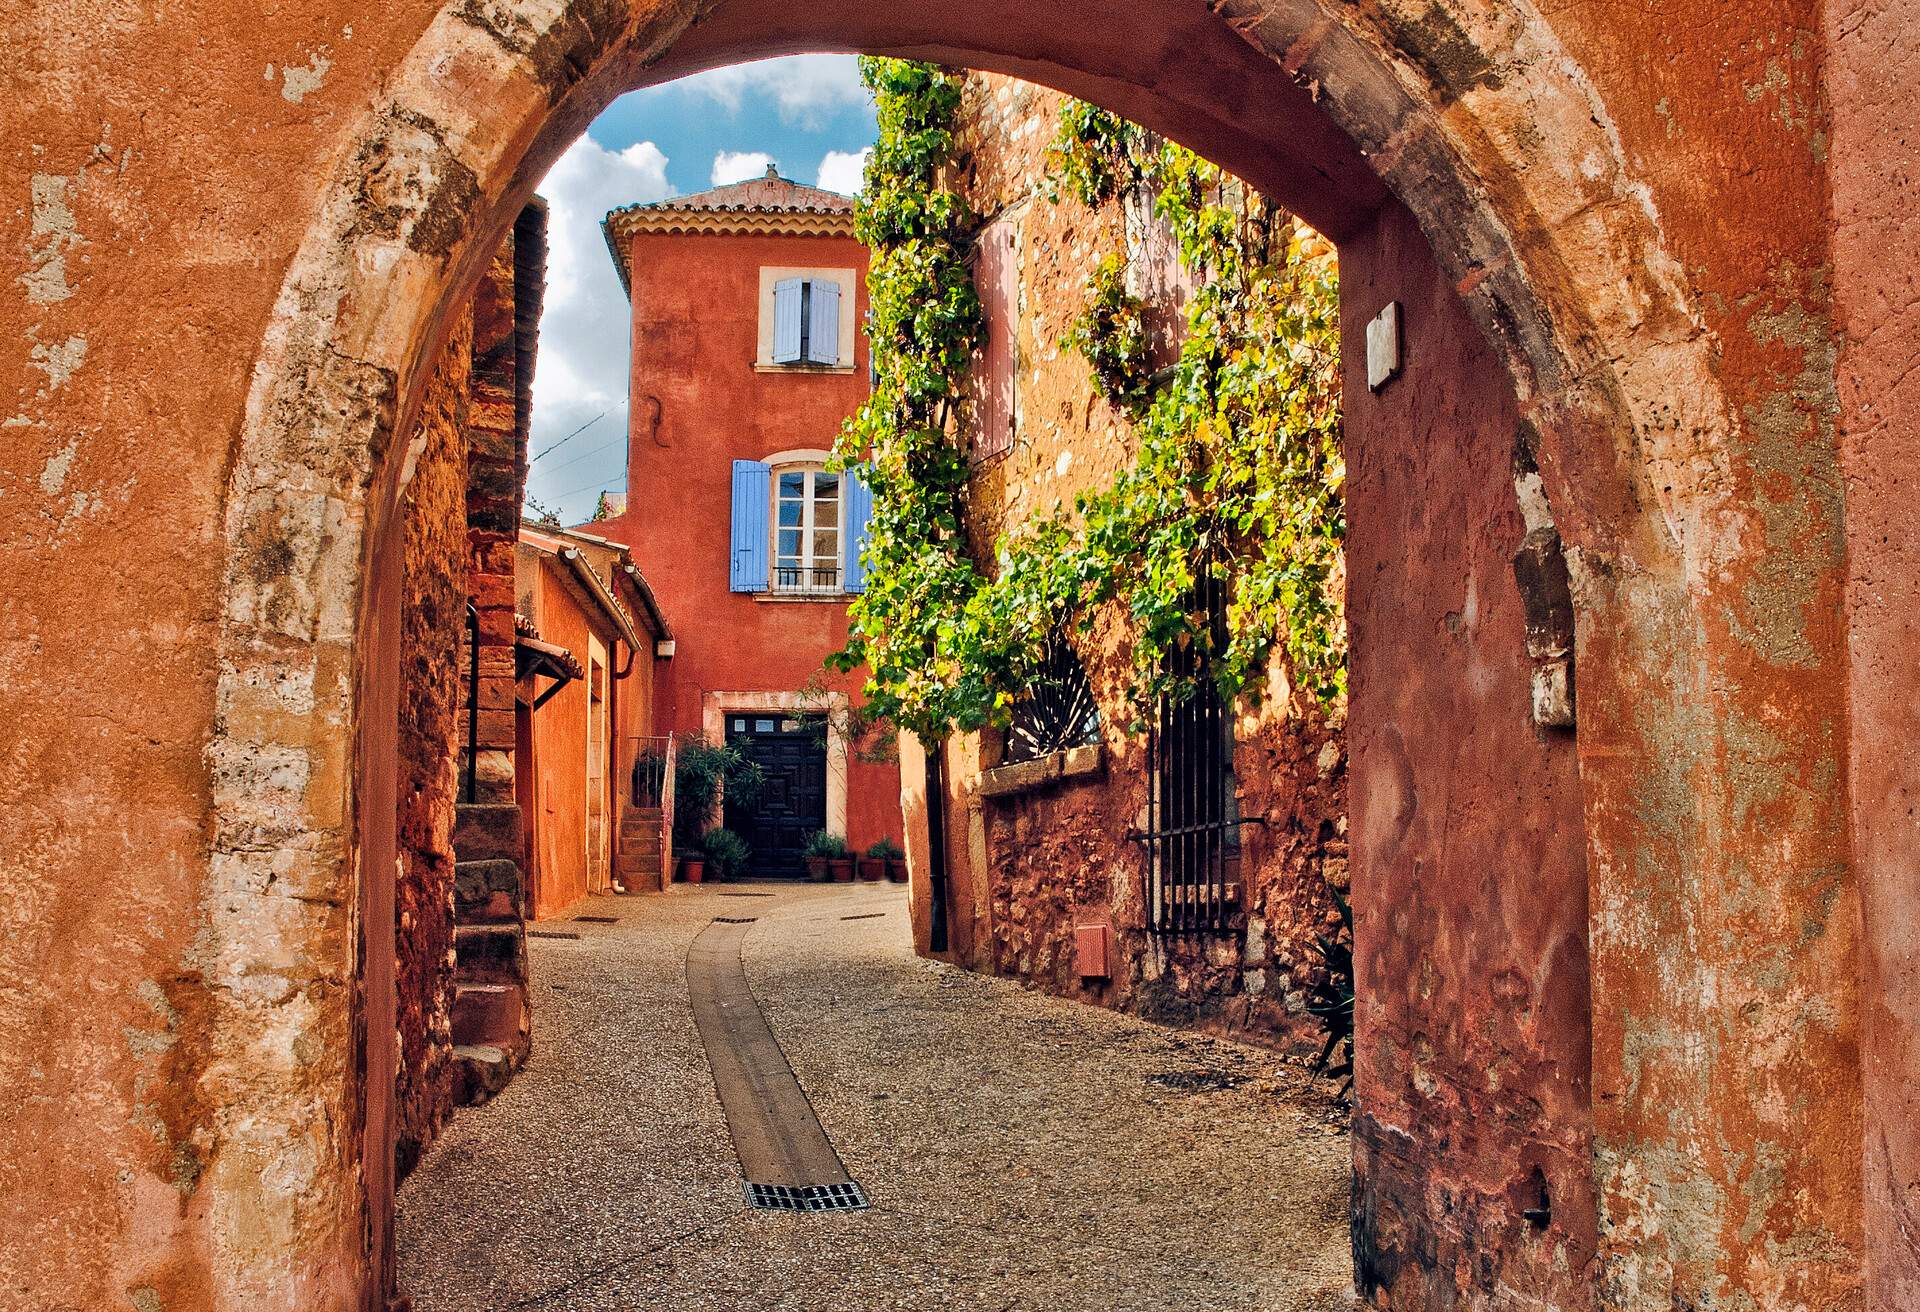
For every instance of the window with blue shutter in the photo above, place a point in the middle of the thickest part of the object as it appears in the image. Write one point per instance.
(789, 313)
(859, 511)
(752, 495)
(823, 323)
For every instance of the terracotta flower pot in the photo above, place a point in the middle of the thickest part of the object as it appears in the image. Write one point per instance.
(873, 869)
(693, 869)
(842, 867)
(897, 870)
(819, 869)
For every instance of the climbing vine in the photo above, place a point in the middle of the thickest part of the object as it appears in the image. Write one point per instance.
(1239, 471)
(924, 320)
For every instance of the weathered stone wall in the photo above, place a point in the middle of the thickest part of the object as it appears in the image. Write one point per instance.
(496, 463)
(1060, 855)
(433, 627)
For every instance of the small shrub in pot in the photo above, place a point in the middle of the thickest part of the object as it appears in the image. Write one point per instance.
(822, 850)
(896, 860)
(727, 851)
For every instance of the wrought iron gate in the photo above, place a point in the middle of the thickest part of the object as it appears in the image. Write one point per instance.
(1193, 831)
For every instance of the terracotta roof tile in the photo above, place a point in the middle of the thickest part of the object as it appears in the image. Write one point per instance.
(770, 204)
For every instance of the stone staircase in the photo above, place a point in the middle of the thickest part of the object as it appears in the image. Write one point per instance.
(639, 863)
(491, 1031)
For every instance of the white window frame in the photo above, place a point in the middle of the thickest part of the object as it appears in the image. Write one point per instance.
(848, 280)
(810, 562)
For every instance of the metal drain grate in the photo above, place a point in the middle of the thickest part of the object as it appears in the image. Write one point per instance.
(550, 933)
(735, 920)
(848, 1197)
(746, 895)
(871, 915)
(596, 920)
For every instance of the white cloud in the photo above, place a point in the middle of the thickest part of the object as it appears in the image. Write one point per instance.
(739, 165)
(805, 89)
(581, 371)
(844, 171)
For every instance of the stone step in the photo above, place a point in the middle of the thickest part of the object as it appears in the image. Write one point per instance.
(487, 953)
(489, 1014)
(481, 1070)
(486, 890)
(640, 876)
(484, 831)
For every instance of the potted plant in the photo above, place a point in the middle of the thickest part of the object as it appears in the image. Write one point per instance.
(889, 851)
(693, 866)
(873, 866)
(841, 866)
(822, 850)
(703, 774)
(727, 851)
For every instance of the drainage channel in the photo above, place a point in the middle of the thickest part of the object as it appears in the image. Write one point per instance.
(789, 1162)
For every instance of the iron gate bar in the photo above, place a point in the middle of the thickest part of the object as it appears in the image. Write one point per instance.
(1191, 831)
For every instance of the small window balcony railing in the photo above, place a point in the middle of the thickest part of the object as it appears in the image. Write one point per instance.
(807, 580)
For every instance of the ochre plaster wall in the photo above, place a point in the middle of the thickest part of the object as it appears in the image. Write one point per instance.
(1469, 864)
(230, 257)
(555, 601)
(559, 828)
(1872, 68)
(696, 303)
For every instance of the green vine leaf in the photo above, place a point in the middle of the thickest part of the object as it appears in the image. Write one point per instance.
(1239, 474)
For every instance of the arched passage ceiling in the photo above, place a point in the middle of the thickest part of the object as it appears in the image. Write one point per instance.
(1172, 65)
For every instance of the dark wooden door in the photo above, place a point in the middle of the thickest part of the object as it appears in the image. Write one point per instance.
(793, 805)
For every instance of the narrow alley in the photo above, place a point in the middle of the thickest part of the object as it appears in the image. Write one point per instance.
(1019, 1151)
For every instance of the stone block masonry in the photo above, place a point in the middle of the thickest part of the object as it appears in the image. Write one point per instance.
(460, 898)
(433, 612)
(1057, 845)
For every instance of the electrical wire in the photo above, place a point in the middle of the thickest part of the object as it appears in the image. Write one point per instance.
(570, 436)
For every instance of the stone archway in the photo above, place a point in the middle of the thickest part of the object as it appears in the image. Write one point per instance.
(1706, 702)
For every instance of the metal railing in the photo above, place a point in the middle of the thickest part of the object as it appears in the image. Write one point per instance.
(806, 578)
(652, 768)
(654, 763)
(472, 786)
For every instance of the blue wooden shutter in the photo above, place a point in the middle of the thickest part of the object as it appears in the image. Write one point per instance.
(823, 337)
(859, 508)
(752, 495)
(786, 321)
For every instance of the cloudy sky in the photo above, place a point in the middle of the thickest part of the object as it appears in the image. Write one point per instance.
(809, 114)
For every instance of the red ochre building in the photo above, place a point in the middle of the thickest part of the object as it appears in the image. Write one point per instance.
(747, 357)
(592, 641)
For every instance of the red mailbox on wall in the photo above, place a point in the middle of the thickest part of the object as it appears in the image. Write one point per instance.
(1091, 948)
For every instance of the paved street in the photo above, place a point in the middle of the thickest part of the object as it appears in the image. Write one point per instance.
(1021, 1152)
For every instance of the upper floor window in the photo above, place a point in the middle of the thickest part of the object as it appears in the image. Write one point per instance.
(806, 319)
(797, 528)
(806, 535)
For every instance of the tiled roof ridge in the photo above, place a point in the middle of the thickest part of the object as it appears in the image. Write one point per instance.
(765, 205)
(771, 194)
